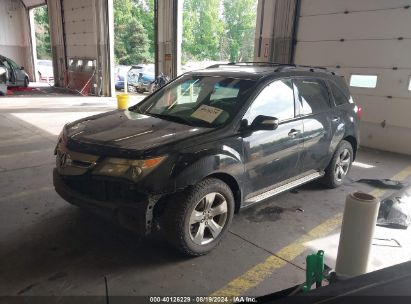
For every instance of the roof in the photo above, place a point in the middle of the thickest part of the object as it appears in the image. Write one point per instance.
(257, 70)
(33, 3)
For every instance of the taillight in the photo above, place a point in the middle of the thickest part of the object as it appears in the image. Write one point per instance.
(358, 110)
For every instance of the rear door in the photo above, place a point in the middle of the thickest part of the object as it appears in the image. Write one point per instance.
(20, 75)
(273, 156)
(318, 117)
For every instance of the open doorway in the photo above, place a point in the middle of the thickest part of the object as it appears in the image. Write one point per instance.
(134, 46)
(43, 57)
(217, 31)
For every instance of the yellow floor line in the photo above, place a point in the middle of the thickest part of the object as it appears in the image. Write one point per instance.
(262, 271)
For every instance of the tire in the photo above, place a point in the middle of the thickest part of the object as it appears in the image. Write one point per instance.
(26, 82)
(198, 205)
(140, 91)
(339, 166)
(131, 89)
(152, 88)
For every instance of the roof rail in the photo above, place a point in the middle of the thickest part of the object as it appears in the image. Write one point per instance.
(245, 63)
(279, 66)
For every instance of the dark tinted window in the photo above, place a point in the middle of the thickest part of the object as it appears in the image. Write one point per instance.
(313, 95)
(339, 96)
(13, 64)
(276, 100)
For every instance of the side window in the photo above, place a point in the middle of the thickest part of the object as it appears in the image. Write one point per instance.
(312, 95)
(276, 100)
(339, 97)
(13, 64)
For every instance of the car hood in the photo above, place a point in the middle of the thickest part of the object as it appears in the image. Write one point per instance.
(125, 130)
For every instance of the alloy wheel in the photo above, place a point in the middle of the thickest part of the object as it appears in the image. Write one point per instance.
(208, 218)
(342, 165)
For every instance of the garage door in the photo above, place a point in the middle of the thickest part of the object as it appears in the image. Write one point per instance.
(80, 28)
(369, 43)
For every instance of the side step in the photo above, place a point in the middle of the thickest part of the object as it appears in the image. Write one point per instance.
(295, 183)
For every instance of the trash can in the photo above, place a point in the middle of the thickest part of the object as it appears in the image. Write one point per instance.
(122, 101)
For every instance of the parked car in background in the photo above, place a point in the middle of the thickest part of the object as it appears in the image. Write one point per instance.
(16, 76)
(186, 164)
(45, 70)
(3, 81)
(141, 78)
(120, 72)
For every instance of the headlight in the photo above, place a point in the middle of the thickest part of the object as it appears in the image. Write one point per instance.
(61, 141)
(127, 168)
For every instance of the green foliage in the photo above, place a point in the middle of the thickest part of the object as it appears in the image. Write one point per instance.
(219, 29)
(240, 18)
(41, 22)
(134, 31)
(202, 29)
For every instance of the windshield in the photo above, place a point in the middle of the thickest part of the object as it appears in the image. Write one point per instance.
(198, 100)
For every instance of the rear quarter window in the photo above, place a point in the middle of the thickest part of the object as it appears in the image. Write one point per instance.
(339, 97)
(313, 96)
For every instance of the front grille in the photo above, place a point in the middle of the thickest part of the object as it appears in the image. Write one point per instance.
(104, 190)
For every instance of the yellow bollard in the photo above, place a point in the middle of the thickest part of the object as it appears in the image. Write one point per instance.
(122, 101)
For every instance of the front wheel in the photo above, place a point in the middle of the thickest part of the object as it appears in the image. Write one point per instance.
(196, 221)
(339, 166)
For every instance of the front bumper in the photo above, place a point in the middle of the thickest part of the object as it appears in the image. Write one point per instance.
(130, 209)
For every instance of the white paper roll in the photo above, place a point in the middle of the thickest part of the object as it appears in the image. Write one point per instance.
(360, 216)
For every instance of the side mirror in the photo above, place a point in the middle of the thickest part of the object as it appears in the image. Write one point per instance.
(266, 123)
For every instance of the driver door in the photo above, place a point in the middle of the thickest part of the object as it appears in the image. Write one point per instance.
(273, 156)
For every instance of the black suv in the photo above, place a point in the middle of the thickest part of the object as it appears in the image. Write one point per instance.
(209, 143)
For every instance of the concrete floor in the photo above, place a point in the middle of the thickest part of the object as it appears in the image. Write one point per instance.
(48, 247)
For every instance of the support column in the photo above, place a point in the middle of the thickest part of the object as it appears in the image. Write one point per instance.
(275, 30)
(57, 41)
(168, 19)
(105, 47)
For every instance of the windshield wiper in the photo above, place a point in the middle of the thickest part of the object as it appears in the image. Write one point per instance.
(177, 119)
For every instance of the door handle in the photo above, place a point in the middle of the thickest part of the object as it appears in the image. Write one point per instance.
(293, 133)
(336, 119)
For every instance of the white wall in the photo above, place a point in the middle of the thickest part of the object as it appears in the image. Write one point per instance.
(15, 34)
(370, 30)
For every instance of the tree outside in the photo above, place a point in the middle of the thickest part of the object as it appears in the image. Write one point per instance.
(219, 30)
(134, 31)
(41, 29)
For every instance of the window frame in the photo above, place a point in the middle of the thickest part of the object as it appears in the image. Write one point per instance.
(368, 88)
(329, 93)
(329, 85)
(260, 90)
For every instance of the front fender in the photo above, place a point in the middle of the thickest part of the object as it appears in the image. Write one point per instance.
(192, 168)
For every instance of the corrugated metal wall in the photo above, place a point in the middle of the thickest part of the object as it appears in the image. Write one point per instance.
(83, 29)
(369, 37)
(274, 30)
(80, 28)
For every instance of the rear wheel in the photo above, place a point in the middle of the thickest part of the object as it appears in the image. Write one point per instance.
(197, 220)
(131, 89)
(339, 166)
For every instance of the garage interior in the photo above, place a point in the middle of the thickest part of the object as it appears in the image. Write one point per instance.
(51, 248)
